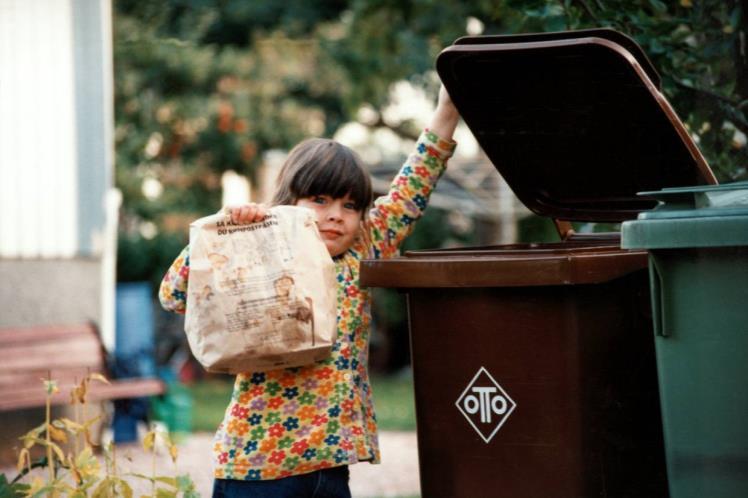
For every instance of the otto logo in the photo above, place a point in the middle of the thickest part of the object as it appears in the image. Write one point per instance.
(485, 404)
(485, 401)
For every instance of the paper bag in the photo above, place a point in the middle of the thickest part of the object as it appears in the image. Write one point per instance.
(262, 295)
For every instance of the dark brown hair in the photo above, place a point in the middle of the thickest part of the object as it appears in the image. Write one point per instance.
(319, 166)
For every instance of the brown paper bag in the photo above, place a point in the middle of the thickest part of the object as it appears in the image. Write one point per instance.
(262, 295)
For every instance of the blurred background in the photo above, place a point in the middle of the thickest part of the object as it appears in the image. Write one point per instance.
(122, 121)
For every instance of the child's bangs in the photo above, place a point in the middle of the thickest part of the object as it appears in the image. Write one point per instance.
(335, 177)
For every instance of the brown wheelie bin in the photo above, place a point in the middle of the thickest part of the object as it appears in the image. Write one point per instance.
(533, 364)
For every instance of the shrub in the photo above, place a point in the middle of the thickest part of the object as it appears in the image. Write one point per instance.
(78, 473)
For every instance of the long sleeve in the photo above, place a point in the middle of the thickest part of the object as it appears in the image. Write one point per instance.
(393, 215)
(173, 290)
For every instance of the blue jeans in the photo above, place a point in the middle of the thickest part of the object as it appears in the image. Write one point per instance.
(326, 483)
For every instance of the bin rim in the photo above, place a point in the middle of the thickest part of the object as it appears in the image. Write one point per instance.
(692, 217)
(495, 268)
(727, 199)
(740, 185)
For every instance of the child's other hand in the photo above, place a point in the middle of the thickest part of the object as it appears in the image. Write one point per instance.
(246, 213)
(444, 120)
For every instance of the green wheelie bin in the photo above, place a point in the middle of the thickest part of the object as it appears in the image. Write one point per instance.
(698, 259)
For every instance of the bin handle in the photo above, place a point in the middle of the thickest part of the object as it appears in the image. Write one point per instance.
(658, 299)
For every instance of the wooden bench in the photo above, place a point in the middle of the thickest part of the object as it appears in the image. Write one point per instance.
(66, 352)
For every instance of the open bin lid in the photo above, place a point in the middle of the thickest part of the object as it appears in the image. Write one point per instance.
(574, 121)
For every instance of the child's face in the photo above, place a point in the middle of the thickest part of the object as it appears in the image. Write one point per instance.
(338, 220)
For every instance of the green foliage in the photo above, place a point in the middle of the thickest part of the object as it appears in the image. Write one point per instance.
(395, 402)
(695, 45)
(210, 399)
(73, 470)
(433, 230)
(12, 490)
(536, 229)
(696, 48)
(204, 86)
(142, 259)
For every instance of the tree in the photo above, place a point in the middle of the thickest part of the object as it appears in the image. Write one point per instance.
(699, 47)
(192, 102)
(207, 86)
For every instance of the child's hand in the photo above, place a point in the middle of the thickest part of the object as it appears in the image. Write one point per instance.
(246, 213)
(445, 101)
(445, 118)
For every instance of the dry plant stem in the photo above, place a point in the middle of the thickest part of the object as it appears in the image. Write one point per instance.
(107, 469)
(114, 460)
(86, 435)
(50, 460)
(107, 464)
(76, 412)
(153, 471)
(113, 471)
(85, 401)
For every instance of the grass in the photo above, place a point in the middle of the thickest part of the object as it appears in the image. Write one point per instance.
(209, 401)
(393, 401)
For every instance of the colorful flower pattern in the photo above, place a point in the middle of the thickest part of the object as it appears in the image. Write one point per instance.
(293, 421)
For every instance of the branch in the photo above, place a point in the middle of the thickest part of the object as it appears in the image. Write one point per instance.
(42, 462)
(741, 52)
(728, 108)
(703, 91)
(399, 130)
(587, 9)
(566, 14)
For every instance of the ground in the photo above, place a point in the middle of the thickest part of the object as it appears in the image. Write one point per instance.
(397, 476)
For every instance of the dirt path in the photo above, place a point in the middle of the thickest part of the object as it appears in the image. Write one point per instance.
(397, 476)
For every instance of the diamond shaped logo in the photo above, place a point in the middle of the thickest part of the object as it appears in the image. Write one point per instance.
(485, 404)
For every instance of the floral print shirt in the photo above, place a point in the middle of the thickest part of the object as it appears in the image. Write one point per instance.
(298, 420)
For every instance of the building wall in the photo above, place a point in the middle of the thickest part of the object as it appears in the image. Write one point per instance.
(44, 291)
(57, 208)
(38, 155)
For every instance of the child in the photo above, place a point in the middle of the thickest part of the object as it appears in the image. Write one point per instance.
(293, 432)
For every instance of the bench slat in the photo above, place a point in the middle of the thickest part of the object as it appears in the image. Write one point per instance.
(9, 336)
(78, 352)
(120, 389)
(34, 378)
(67, 353)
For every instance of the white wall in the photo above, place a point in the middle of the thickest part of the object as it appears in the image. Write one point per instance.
(38, 157)
(57, 208)
(55, 127)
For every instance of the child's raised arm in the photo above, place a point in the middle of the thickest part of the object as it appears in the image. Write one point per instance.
(393, 216)
(444, 120)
